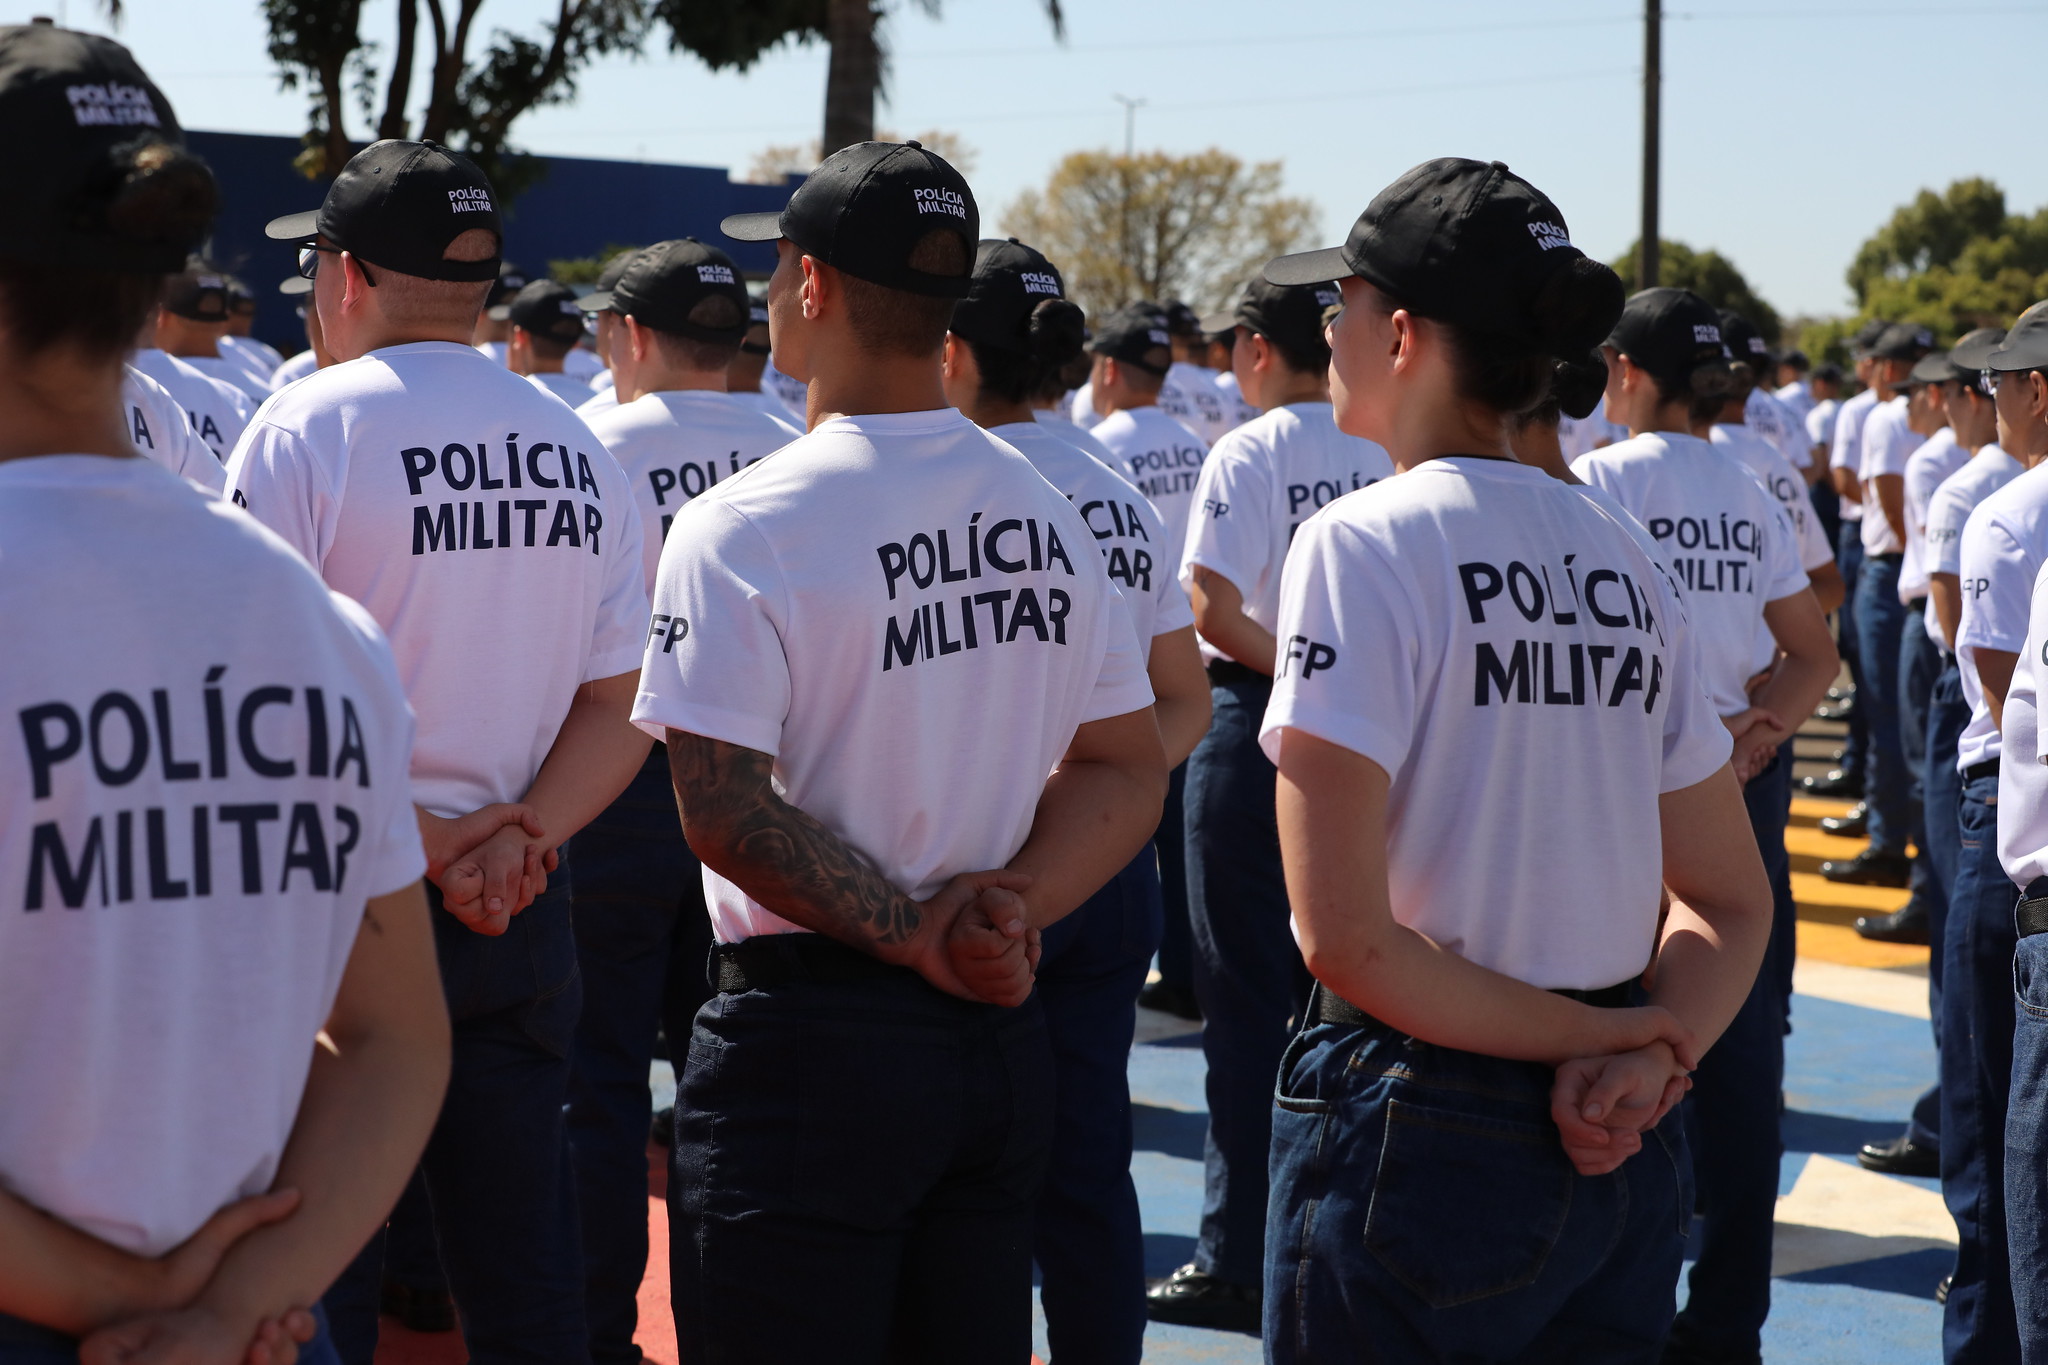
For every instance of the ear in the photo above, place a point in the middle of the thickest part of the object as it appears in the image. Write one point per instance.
(1262, 354)
(1405, 339)
(949, 363)
(355, 285)
(815, 294)
(1111, 375)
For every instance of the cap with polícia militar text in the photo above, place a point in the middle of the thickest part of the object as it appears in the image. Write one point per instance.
(1010, 281)
(681, 286)
(867, 210)
(1669, 333)
(1135, 335)
(401, 205)
(197, 293)
(548, 309)
(1290, 314)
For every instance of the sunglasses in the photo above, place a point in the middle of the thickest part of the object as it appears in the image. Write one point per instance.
(309, 262)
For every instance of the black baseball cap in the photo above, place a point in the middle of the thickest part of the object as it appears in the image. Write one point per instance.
(1181, 320)
(1010, 281)
(240, 296)
(1670, 333)
(1467, 242)
(1902, 341)
(676, 286)
(511, 279)
(2026, 346)
(548, 309)
(198, 293)
(399, 204)
(1866, 336)
(865, 210)
(1937, 367)
(1135, 335)
(81, 120)
(613, 269)
(1972, 351)
(1827, 372)
(1745, 343)
(1291, 314)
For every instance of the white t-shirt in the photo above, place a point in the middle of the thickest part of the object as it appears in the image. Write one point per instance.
(2023, 782)
(1763, 413)
(1190, 397)
(1797, 396)
(1236, 411)
(794, 395)
(298, 367)
(1949, 511)
(258, 357)
(1926, 469)
(158, 429)
(1522, 671)
(1768, 463)
(1846, 449)
(675, 445)
(1062, 426)
(197, 794)
(1161, 456)
(504, 580)
(1820, 422)
(2003, 545)
(904, 613)
(1887, 444)
(1258, 486)
(217, 412)
(1578, 436)
(231, 372)
(603, 401)
(1082, 407)
(762, 401)
(496, 350)
(566, 387)
(1725, 537)
(1126, 527)
(583, 363)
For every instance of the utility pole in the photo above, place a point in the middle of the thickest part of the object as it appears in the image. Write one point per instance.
(1130, 120)
(1647, 249)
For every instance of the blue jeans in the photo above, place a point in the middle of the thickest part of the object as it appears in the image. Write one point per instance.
(1940, 717)
(27, 1343)
(855, 1176)
(497, 1165)
(1731, 1116)
(1249, 976)
(1887, 784)
(1976, 1078)
(1176, 937)
(1090, 1241)
(642, 936)
(2026, 1145)
(1849, 559)
(1424, 1210)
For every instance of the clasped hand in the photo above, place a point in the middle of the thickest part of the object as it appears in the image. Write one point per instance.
(975, 942)
(489, 864)
(1603, 1105)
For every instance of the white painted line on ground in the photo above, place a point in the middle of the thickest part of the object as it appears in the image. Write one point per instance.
(1871, 987)
(1837, 1213)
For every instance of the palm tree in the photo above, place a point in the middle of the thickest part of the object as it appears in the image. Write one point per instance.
(859, 67)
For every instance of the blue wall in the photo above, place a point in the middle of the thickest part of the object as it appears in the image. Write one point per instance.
(577, 208)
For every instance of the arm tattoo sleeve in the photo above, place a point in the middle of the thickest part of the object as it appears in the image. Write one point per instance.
(780, 856)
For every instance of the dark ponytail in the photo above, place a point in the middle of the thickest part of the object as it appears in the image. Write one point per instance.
(1572, 313)
(1576, 386)
(1054, 336)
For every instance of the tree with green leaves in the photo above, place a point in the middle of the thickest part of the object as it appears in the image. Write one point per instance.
(1710, 275)
(1952, 261)
(1158, 226)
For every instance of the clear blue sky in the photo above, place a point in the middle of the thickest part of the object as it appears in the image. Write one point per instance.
(1791, 130)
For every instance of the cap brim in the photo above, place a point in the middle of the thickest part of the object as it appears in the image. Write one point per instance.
(596, 301)
(753, 227)
(294, 227)
(2024, 356)
(1213, 323)
(502, 313)
(1308, 267)
(296, 284)
(1976, 356)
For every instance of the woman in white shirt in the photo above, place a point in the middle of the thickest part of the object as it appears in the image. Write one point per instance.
(1466, 1155)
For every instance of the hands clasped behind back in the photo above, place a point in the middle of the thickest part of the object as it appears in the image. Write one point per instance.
(489, 864)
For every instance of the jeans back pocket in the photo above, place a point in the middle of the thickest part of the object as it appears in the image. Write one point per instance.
(1466, 1206)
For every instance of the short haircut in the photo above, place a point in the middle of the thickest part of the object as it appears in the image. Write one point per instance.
(1138, 377)
(409, 301)
(1297, 359)
(545, 346)
(897, 322)
(689, 353)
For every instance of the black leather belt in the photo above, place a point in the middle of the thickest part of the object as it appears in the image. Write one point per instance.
(1332, 1008)
(1229, 671)
(770, 960)
(2032, 916)
(1917, 605)
(1988, 768)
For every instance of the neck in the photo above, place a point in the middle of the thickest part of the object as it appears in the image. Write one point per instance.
(378, 336)
(1536, 445)
(1423, 430)
(1296, 387)
(57, 408)
(848, 382)
(995, 412)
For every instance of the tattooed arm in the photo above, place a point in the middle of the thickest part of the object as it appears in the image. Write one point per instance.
(808, 875)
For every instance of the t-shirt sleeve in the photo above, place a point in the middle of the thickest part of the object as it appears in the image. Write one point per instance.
(1887, 444)
(1946, 513)
(1171, 611)
(1696, 743)
(1814, 549)
(1229, 526)
(616, 635)
(1783, 573)
(390, 856)
(1994, 616)
(1349, 635)
(714, 662)
(1122, 686)
(1846, 451)
(1817, 426)
(275, 477)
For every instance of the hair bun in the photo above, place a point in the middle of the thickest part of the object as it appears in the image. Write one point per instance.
(1057, 332)
(160, 195)
(1577, 306)
(1577, 384)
